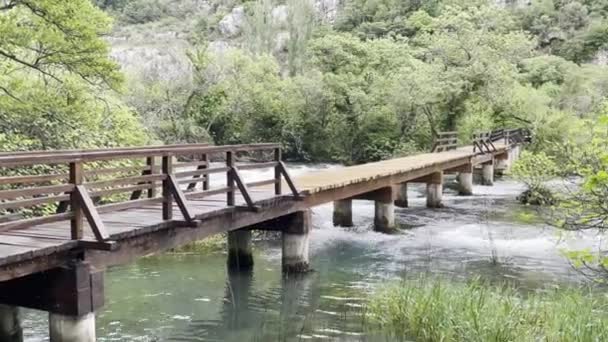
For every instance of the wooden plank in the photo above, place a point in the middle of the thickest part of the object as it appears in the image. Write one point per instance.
(278, 157)
(32, 179)
(32, 202)
(26, 223)
(96, 155)
(230, 178)
(133, 188)
(257, 166)
(199, 172)
(288, 179)
(76, 178)
(114, 170)
(179, 197)
(35, 191)
(128, 205)
(125, 181)
(204, 164)
(167, 197)
(262, 183)
(242, 187)
(91, 214)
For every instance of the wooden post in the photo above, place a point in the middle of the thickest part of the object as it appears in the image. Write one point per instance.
(167, 194)
(277, 171)
(206, 166)
(151, 164)
(230, 178)
(76, 178)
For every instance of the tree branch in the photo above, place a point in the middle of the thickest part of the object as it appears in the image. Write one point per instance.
(29, 65)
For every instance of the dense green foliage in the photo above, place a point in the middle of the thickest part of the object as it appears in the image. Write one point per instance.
(381, 81)
(446, 311)
(535, 170)
(56, 80)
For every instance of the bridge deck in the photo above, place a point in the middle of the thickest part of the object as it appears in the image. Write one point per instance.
(24, 251)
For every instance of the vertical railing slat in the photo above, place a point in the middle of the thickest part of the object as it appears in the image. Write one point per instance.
(76, 178)
(277, 171)
(230, 178)
(167, 169)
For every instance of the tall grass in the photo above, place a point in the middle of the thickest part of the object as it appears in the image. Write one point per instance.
(442, 311)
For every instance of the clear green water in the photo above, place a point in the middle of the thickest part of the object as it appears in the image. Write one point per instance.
(193, 298)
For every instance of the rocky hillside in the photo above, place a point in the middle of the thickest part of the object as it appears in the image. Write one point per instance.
(153, 45)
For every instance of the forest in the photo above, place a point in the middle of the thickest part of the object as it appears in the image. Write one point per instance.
(345, 82)
(388, 75)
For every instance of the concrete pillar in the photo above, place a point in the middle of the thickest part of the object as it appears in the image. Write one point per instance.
(72, 328)
(384, 216)
(296, 237)
(516, 152)
(434, 190)
(502, 165)
(487, 173)
(343, 213)
(401, 195)
(240, 256)
(465, 183)
(10, 324)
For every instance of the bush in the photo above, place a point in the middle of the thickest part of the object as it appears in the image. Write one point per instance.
(535, 169)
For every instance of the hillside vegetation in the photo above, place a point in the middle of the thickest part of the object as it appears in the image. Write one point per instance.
(347, 81)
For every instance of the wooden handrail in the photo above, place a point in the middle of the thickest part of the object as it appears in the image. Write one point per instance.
(52, 158)
(445, 141)
(78, 198)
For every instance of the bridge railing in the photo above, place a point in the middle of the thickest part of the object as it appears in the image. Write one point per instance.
(50, 186)
(483, 142)
(445, 141)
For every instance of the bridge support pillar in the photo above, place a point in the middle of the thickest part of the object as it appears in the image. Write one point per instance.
(465, 183)
(487, 173)
(515, 151)
(502, 166)
(10, 324)
(384, 217)
(401, 195)
(72, 328)
(343, 213)
(434, 190)
(384, 209)
(240, 255)
(296, 237)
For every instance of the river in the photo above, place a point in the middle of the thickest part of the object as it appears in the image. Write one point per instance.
(190, 297)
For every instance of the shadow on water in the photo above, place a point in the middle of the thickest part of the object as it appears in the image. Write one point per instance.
(195, 298)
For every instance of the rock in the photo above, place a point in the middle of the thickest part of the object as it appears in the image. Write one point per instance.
(513, 3)
(281, 41)
(601, 57)
(155, 63)
(279, 15)
(327, 10)
(219, 47)
(232, 24)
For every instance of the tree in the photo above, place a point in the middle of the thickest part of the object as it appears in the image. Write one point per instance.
(57, 78)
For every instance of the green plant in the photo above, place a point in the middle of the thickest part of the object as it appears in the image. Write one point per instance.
(535, 169)
(437, 310)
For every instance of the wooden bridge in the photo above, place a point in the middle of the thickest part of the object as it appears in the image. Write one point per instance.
(65, 216)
